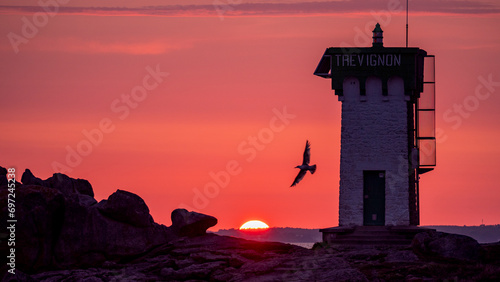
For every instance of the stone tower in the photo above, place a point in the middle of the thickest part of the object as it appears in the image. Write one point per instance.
(387, 135)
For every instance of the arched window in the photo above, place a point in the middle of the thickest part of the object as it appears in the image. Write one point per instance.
(396, 88)
(351, 89)
(374, 88)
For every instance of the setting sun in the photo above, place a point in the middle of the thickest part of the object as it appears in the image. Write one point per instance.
(254, 224)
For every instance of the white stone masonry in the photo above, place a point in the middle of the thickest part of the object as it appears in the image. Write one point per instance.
(374, 136)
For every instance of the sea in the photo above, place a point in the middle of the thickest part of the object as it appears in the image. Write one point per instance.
(307, 245)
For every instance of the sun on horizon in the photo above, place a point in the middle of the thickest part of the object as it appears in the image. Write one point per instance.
(254, 224)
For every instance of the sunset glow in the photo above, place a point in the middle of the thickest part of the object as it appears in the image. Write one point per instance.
(254, 224)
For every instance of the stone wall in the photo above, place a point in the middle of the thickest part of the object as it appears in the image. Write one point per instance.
(374, 137)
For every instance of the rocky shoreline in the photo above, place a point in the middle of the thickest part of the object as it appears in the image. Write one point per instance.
(219, 258)
(66, 235)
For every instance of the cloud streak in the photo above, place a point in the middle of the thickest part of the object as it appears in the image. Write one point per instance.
(464, 7)
(98, 47)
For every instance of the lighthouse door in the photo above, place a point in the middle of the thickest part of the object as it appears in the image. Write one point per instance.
(374, 197)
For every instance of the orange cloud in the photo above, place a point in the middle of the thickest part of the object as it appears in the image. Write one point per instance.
(81, 46)
(122, 48)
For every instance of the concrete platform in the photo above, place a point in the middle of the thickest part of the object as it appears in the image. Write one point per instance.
(371, 235)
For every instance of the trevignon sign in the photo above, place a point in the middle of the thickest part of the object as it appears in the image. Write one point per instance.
(370, 60)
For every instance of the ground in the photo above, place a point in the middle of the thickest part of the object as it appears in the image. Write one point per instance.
(222, 258)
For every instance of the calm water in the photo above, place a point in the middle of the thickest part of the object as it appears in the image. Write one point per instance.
(307, 245)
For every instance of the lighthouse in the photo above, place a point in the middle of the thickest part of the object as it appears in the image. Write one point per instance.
(387, 132)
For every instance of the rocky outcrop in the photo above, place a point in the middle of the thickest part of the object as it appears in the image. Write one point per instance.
(29, 179)
(40, 215)
(185, 223)
(126, 207)
(446, 245)
(89, 238)
(67, 185)
(63, 226)
(220, 258)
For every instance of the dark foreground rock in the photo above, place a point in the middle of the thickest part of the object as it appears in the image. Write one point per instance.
(3, 176)
(66, 185)
(446, 245)
(126, 207)
(60, 225)
(185, 223)
(220, 258)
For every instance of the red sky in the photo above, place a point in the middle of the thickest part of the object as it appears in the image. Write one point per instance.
(231, 67)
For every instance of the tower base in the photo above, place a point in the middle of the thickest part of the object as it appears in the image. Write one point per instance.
(371, 235)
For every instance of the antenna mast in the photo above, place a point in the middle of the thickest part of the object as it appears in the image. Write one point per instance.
(406, 23)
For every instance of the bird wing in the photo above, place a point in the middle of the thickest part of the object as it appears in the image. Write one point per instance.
(307, 154)
(299, 177)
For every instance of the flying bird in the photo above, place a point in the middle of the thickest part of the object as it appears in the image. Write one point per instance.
(304, 167)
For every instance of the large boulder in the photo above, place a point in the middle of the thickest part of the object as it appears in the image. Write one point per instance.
(446, 245)
(191, 224)
(126, 207)
(88, 238)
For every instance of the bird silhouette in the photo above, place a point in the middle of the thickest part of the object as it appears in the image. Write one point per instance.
(304, 167)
